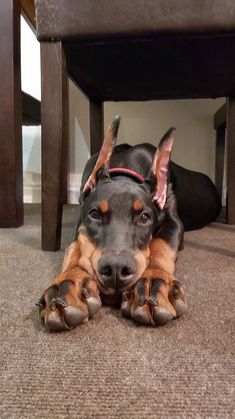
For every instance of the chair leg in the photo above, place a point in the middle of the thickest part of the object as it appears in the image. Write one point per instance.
(231, 160)
(96, 126)
(219, 158)
(54, 108)
(11, 175)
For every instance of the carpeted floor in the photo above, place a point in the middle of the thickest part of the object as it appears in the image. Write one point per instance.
(111, 367)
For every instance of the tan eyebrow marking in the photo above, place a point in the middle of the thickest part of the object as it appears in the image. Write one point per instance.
(104, 206)
(138, 205)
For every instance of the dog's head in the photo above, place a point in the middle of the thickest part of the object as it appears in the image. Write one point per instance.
(119, 216)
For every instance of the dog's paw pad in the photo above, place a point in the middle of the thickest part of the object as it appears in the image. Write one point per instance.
(73, 316)
(93, 302)
(141, 314)
(177, 298)
(161, 316)
(54, 322)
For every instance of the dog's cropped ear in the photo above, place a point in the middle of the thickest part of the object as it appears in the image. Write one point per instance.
(159, 171)
(102, 162)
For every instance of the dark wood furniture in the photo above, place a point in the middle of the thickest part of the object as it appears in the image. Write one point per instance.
(221, 123)
(220, 127)
(128, 51)
(11, 176)
(31, 110)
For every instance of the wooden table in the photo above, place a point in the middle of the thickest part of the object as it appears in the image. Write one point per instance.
(131, 50)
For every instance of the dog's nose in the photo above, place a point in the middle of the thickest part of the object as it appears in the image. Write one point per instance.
(117, 271)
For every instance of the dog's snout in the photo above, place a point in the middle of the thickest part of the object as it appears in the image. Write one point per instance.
(117, 271)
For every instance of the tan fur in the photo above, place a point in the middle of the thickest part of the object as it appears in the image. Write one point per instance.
(87, 247)
(82, 257)
(137, 205)
(79, 254)
(104, 207)
(152, 273)
(71, 257)
(76, 274)
(142, 260)
(162, 256)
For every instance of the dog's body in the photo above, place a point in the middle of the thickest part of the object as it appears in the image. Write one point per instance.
(135, 205)
(198, 202)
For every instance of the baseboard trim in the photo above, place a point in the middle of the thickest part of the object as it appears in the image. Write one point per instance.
(33, 193)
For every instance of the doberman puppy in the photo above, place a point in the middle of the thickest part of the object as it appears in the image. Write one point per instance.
(135, 205)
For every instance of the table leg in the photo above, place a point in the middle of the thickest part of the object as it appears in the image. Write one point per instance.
(54, 109)
(96, 125)
(11, 172)
(231, 160)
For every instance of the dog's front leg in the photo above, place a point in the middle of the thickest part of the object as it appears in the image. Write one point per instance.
(158, 297)
(73, 296)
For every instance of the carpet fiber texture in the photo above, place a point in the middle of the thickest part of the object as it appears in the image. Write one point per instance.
(111, 367)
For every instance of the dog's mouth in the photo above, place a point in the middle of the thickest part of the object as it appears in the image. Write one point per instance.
(109, 291)
(112, 296)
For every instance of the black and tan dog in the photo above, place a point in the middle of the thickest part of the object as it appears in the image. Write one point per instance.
(135, 205)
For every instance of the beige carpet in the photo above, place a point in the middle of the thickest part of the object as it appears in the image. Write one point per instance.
(110, 367)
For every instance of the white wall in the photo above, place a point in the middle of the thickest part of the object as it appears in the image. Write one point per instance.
(194, 146)
(31, 83)
(141, 121)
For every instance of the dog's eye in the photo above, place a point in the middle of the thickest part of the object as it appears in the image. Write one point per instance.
(95, 214)
(144, 218)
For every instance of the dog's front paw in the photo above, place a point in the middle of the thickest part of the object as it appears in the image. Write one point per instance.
(154, 301)
(68, 303)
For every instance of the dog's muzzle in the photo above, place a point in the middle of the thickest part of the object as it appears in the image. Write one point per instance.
(116, 271)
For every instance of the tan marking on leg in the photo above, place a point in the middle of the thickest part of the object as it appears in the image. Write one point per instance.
(79, 254)
(162, 256)
(142, 261)
(155, 273)
(71, 257)
(96, 255)
(77, 274)
(87, 247)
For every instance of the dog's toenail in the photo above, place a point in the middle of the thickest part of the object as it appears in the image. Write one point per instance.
(60, 302)
(53, 304)
(53, 322)
(161, 316)
(85, 293)
(141, 316)
(125, 296)
(39, 303)
(180, 307)
(73, 316)
(176, 293)
(151, 301)
(94, 304)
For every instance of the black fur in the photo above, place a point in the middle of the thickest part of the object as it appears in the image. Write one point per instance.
(122, 231)
(198, 201)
